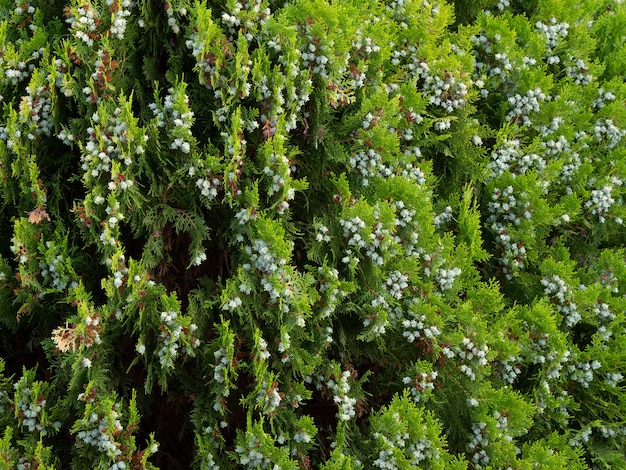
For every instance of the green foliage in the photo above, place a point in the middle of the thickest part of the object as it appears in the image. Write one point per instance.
(406, 436)
(312, 234)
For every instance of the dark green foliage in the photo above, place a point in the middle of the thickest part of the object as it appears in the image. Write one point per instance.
(338, 235)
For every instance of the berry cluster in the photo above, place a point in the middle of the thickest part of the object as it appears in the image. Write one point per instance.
(552, 32)
(502, 4)
(278, 171)
(176, 117)
(561, 295)
(493, 63)
(582, 437)
(36, 112)
(398, 9)
(607, 132)
(35, 117)
(421, 384)
(247, 17)
(603, 98)
(53, 269)
(471, 356)
(445, 277)
(476, 446)
(373, 240)
(120, 11)
(30, 407)
(415, 328)
(107, 142)
(84, 21)
(579, 72)
(171, 18)
(442, 124)
(353, 231)
(613, 378)
(110, 226)
(18, 248)
(92, 329)
(24, 11)
(208, 186)
(222, 364)
(271, 268)
(340, 390)
(101, 431)
(443, 218)
(505, 208)
(600, 202)
(417, 451)
(508, 368)
(408, 57)
(322, 233)
(369, 163)
(603, 313)
(410, 171)
(284, 344)
(301, 438)
(396, 283)
(556, 147)
(583, 372)
(109, 151)
(119, 268)
(365, 48)
(276, 179)
(447, 92)
(206, 62)
(174, 334)
(521, 106)
(330, 291)
(605, 432)
(14, 71)
(555, 125)
(508, 157)
(206, 457)
(571, 165)
(251, 456)
(4, 397)
(314, 52)
(540, 352)
(269, 397)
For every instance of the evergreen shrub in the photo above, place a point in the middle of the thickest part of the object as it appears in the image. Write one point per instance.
(312, 234)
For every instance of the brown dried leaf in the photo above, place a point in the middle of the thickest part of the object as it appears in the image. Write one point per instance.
(64, 338)
(37, 215)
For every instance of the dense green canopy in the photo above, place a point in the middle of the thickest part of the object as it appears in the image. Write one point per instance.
(312, 234)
